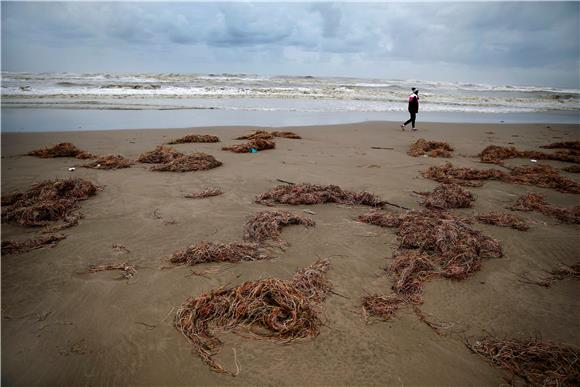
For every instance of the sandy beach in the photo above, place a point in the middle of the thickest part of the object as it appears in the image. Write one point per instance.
(63, 326)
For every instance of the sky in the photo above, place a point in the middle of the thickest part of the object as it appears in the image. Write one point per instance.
(534, 43)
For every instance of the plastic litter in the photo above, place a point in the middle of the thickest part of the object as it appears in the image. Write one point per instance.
(71, 169)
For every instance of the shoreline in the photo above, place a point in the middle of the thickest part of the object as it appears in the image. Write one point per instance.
(16, 120)
(96, 329)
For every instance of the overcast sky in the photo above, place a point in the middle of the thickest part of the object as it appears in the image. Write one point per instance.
(498, 43)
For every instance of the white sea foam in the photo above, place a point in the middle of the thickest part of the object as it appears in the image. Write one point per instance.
(268, 93)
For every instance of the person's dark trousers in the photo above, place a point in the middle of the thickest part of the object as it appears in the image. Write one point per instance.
(412, 119)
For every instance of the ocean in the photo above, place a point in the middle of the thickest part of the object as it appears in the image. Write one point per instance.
(68, 101)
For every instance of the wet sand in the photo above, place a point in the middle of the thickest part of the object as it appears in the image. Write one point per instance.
(63, 327)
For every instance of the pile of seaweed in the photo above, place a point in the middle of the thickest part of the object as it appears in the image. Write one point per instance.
(159, 155)
(262, 134)
(572, 169)
(205, 252)
(574, 145)
(538, 175)
(430, 148)
(537, 202)
(304, 193)
(495, 154)
(446, 196)
(47, 201)
(536, 361)
(205, 193)
(109, 162)
(431, 244)
(268, 224)
(64, 149)
(127, 270)
(23, 246)
(259, 144)
(191, 162)
(195, 138)
(503, 219)
(559, 274)
(269, 308)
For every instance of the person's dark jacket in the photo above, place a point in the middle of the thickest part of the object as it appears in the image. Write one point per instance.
(413, 103)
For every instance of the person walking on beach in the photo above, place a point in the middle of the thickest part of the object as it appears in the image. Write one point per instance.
(413, 108)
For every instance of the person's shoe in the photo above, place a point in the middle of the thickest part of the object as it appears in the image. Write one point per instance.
(415, 129)
(403, 128)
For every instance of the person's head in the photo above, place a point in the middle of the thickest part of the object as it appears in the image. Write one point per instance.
(416, 91)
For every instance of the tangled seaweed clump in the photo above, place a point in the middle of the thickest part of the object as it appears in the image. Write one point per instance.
(64, 149)
(161, 154)
(268, 224)
(283, 134)
(495, 154)
(258, 134)
(431, 245)
(384, 307)
(206, 193)
(127, 271)
(448, 196)
(110, 162)
(537, 202)
(262, 134)
(504, 220)
(258, 144)
(204, 252)
(471, 177)
(47, 201)
(23, 246)
(572, 169)
(575, 145)
(543, 176)
(430, 148)
(269, 308)
(186, 163)
(195, 138)
(539, 175)
(536, 361)
(305, 193)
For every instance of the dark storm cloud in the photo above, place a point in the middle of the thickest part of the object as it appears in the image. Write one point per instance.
(432, 39)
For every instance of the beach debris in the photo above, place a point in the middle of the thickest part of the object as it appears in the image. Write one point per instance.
(191, 162)
(257, 144)
(269, 308)
(71, 169)
(559, 274)
(384, 307)
(495, 154)
(204, 252)
(268, 224)
(109, 162)
(285, 181)
(572, 169)
(382, 147)
(563, 145)
(47, 201)
(127, 270)
(503, 219)
(310, 212)
(471, 177)
(305, 193)
(285, 134)
(537, 202)
(269, 135)
(430, 148)
(431, 244)
(536, 361)
(161, 154)
(205, 193)
(258, 134)
(68, 222)
(23, 246)
(446, 196)
(64, 149)
(119, 248)
(195, 138)
(538, 175)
